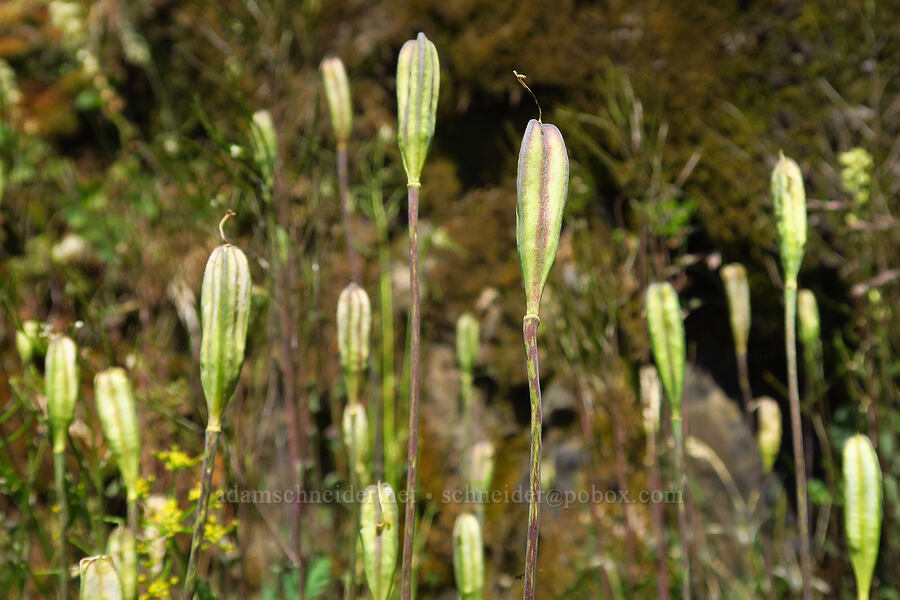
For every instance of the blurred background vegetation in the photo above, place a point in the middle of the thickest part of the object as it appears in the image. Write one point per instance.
(125, 135)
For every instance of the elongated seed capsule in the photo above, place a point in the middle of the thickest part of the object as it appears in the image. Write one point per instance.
(789, 196)
(542, 185)
(225, 312)
(667, 340)
(734, 276)
(354, 325)
(26, 340)
(99, 579)
(468, 336)
(808, 320)
(418, 83)
(468, 557)
(265, 145)
(378, 534)
(768, 433)
(355, 426)
(651, 398)
(862, 509)
(118, 416)
(122, 547)
(61, 387)
(337, 93)
(481, 469)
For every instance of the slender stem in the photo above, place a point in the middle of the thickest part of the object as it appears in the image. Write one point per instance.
(790, 341)
(659, 532)
(529, 332)
(744, 382)
(129, 586)
(345, 209)
(412, 457)
(59, 472)
(678, 435)
(388, 398)
(209, 456)
(465, 393)
(350, 584)
(622, 479)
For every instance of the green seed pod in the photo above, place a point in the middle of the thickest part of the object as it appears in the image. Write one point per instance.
(808, 319)
(122, 547)
(468, 336)
(27, 339)
(355, 427)
(651, 398)
(667, 340)
(481, 469)
(354, 325)
(225, 312)
(862, 509)
(542, 185)
(264, 139)
(61, 387)
(99, 579)
(337, 93)
(790, 215)
(768, 433)
(379, 522)
(734, 276)
(118, 416)
(418, 82)
(468, 557)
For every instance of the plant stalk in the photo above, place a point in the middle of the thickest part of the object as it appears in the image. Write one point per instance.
(388, 385)
(59, 472)
(744, 382)
(678, 429)
(209, 455)
(659, 532)
(529, 332)
(412, 457)
(345, 209)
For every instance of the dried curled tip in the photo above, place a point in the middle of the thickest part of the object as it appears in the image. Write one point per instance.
(468, 557)
(265, 145)
(337, 93)
(418, 82)
(122, 547)
(768, 433)
(651, 398)
(468, 338)
(118, 417)
(354, 325)
(481, 468)
(734, 276)
(225, 312)
(790, 216)
(862, 508)
(667, 340)
(27, 340)
(542, 185)
(355, 427)
(99, 579)
(61, 387)
(808, 319)
(379, 521)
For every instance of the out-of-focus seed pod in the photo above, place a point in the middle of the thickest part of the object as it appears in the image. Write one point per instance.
(862, 509)
(808, 319)
(734, 276)
(667, 340)
(61, 387)
(354, 325)
(26, 340)
(768, 433)
(225, 312)
(481, 468)
(468, 338)
(355, 427)
(790, 216)
(118, 416)
(337, 93)
(418, 83)
(468, 557)
(542, 184)
(154, 539)
(379, 521)
(99, 579)
(651, 398)
(122, 546)
(264, 139)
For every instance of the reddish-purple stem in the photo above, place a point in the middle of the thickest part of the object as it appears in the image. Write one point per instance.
(529, 332)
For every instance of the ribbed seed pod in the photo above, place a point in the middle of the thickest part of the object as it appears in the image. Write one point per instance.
(118, 416)
(808, 319)
(790, 216)
(667, 340)
(734, 276)
(61, 387)
(265, 145)
(99, 579)
(26, 340)
(542, 184)
(468, 557)
(651, 398)
(337, 93)
(862, 509)
(354, 325)
(768, 433)
(481, 469)
(379, 521)
(355, 426)
(122, 547)
(225, 312)
(468, 338)
(418, 83)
